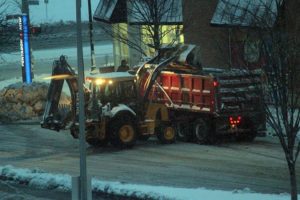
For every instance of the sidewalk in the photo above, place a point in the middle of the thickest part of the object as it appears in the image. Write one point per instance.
(40, 179)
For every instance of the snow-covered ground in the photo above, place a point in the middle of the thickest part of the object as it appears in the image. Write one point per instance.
(44, 180)
(102, 51)
(38, 78)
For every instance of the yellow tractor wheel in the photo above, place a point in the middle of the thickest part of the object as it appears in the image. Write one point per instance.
(126, 133)
(166, 134)
(122, 132)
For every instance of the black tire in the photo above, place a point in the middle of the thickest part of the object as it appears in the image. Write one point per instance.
(93, 139)
(122, 132)
(166, 134)
(201, 131)
(183, 132)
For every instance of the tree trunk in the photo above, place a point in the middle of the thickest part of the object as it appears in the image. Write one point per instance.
(293, 180)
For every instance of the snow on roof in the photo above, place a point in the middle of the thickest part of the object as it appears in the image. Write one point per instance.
(137, 12)
(255, 13)
(105, 9)
(112, 75)
(111, 11)
(169, 12)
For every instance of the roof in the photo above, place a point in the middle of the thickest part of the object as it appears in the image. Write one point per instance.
(247, 13)
(169, 12)
(112, 75)
(111, 11)
(138, 11)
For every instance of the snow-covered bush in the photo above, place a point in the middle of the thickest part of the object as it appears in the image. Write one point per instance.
(20, 101)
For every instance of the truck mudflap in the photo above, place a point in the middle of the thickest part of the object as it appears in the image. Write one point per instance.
(56, 116)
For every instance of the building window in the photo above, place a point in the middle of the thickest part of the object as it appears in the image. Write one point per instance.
(169, 34)
(252, 50)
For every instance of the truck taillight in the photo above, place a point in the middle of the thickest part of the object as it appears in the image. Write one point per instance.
(234, 121)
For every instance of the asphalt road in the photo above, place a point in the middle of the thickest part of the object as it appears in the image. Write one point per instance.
(259, 166)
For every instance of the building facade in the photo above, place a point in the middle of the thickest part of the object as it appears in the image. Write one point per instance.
(139, 28)
(213, 41)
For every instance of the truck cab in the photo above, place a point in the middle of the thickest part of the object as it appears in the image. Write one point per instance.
(113, 88)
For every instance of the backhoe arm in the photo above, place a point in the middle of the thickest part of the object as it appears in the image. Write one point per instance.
(56, 116)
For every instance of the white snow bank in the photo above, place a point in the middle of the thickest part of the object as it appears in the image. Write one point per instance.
(51, 54)
(37, 78)
(41, 179)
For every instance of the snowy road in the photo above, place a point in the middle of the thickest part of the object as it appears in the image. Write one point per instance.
(10, 63)
(259, 166)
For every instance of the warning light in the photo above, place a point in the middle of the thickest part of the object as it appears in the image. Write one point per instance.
(215, 83)
(234, 121)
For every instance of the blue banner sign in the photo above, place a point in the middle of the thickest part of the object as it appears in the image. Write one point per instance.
(25, 48)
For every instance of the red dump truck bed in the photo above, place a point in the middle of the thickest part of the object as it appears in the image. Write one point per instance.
(185, 91)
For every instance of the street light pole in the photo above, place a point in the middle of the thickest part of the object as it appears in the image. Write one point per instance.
(93, 60)
(84, 195)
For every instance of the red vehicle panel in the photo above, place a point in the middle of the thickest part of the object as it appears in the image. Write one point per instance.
(185, 91)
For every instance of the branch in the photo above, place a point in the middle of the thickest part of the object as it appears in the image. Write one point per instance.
(297, 151)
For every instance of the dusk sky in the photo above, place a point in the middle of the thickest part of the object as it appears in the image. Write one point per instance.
(58, 10)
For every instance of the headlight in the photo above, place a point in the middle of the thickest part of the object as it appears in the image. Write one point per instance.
(99, 81)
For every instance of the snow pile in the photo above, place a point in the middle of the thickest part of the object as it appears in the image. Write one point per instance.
(21, 101)
(41, 179)
(36, 178)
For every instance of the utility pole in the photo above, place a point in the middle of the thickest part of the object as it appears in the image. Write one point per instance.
(81, 188)
(93, 59)
(46, 2)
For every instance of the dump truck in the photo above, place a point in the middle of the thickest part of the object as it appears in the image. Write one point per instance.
(170, 96)
(206, 104)
(205, 107)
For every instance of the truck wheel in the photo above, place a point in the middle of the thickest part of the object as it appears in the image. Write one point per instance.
(166, 134)
(201, 131)
(123, 133)
(183, 132)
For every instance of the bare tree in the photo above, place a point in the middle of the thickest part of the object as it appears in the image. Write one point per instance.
(144, 20)
(276, 27)
(8, 28)
(283, 74)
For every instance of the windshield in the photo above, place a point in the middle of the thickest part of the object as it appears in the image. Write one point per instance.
(118, 92)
